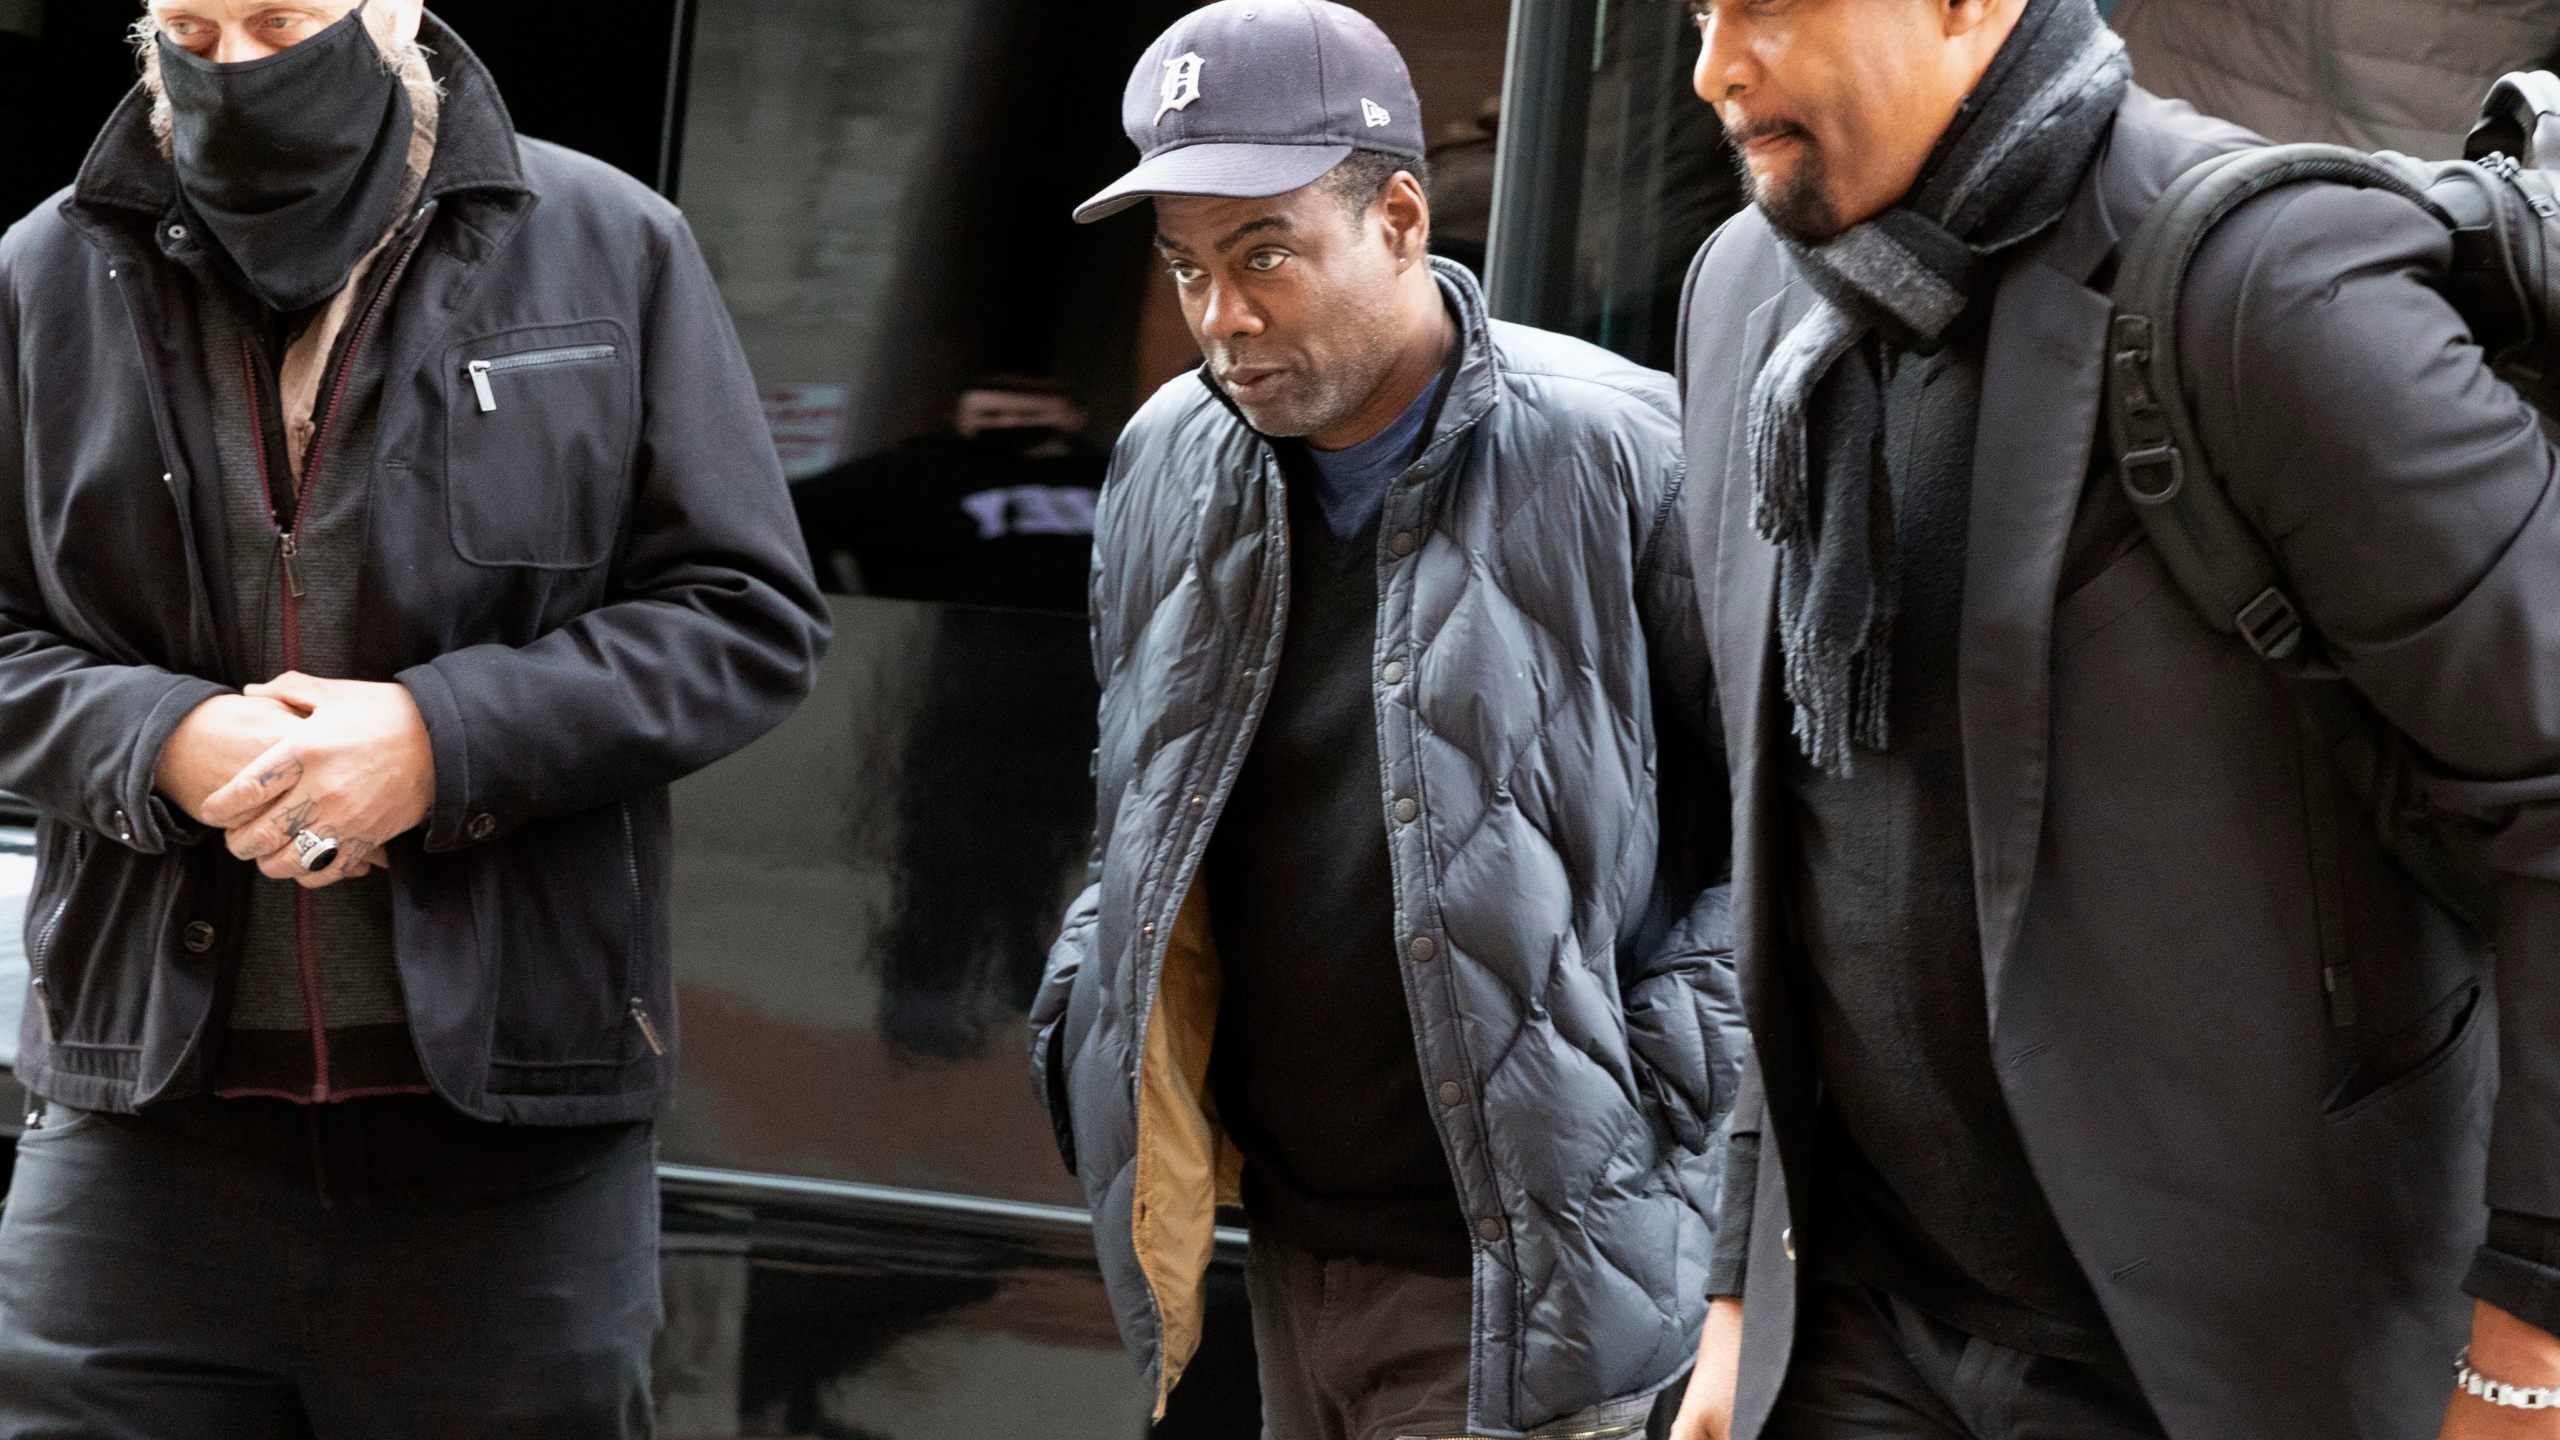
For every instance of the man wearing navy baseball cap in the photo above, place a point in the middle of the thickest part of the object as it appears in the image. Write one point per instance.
(1400, 930)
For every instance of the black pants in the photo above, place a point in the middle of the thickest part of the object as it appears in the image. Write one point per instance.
(1868, 1366)
(377, 1271)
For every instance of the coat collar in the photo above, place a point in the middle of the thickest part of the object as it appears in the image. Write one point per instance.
(2043, 389)
(2042, 385)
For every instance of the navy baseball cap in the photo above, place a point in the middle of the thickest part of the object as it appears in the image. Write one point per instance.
(1252, 98)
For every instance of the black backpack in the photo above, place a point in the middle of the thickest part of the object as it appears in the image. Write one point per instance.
(2504, 212)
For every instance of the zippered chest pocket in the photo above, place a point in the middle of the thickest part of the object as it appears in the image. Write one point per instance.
(484, 373)
(540, 429)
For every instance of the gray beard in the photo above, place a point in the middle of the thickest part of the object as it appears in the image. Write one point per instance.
(1330, 398)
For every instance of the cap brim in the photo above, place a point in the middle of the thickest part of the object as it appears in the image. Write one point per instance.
(1222, 171)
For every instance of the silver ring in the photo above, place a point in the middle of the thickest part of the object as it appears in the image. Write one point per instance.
(316, 852)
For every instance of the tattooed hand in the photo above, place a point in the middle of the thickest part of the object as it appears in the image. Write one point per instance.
(211, 746)
(358, 769)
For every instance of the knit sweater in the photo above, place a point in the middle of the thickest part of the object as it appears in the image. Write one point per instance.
(316, 1012)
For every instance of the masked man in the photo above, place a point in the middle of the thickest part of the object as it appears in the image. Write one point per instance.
(997, 510)
(386, 518)
(1397, 934)
(2110, 1079)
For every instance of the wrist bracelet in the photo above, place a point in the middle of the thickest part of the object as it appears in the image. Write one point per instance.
(2498, 1392)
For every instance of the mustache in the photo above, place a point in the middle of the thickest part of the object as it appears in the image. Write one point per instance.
(1773, 128)
(1226, 360)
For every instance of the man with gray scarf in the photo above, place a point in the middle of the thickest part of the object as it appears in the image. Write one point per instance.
(2109, 1079)
(377, 544)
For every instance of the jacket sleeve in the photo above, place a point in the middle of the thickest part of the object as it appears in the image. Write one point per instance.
(714, 628)
(1728, 1268)
(80, 732)
(2410, 496)
(1067, 959)
(1683, 1005)
(1073, 950)
(1070, 953)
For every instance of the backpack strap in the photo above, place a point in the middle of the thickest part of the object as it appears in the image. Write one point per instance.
(2209, 548)
(2213, 553)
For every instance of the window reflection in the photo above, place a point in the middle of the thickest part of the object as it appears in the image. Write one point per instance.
(1462, 162)
(1658, 179)
(995, 510)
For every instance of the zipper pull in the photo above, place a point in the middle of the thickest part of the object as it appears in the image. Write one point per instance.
(648, 1027)
(288, 545)
(480, 382)
(44, 1010)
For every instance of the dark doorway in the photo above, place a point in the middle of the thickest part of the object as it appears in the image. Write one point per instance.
(63, 66)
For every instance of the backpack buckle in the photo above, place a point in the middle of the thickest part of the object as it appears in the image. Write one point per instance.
(2271, 625)
(2153, 475)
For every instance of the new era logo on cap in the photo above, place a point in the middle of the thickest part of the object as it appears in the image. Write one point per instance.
(1247, 99)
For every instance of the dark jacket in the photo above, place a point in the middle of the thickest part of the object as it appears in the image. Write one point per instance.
(590, 590)
(1572, 1005)
(2252, 1063)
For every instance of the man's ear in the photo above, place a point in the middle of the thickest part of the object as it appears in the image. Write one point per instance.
(405, 17)
(1407, 212)
(1964, 17)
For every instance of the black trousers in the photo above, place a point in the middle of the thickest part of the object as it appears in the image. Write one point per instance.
(278, 1274)
(1868, 1366)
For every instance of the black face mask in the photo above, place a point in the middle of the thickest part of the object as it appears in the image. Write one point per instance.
(294, 163)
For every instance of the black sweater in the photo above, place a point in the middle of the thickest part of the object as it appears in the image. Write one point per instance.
(1315, 1069)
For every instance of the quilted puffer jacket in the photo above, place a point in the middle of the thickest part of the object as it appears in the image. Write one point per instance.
(1565, 944)
(2403, 75)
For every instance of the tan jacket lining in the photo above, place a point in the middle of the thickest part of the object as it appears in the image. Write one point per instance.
(1186, 1166)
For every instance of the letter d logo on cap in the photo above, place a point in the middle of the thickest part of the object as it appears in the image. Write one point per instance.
(1301, 85)
(1181, 84)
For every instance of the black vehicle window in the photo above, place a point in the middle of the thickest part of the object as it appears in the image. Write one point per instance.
(63, 65)
(865, 900)
(1615, 173)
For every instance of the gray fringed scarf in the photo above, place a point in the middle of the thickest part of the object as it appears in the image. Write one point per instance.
(2005, 171)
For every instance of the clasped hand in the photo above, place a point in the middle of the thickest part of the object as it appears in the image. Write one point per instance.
(344, 760)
